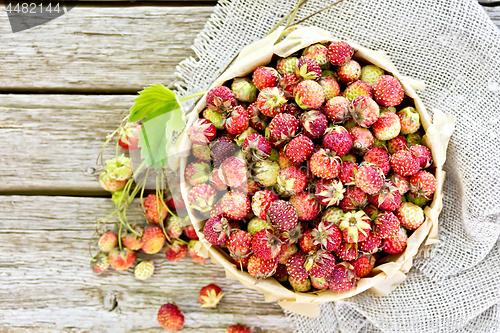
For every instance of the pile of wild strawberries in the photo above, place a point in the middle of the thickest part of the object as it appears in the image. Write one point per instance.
(311, 170)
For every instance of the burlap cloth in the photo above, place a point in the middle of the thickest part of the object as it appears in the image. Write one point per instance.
(454, 47)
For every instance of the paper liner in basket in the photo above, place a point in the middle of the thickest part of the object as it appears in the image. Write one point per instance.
(391, 273)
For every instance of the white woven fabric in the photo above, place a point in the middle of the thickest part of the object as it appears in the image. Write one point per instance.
(454, 47)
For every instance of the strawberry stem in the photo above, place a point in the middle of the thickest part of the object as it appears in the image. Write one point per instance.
(192, 96)
(317, 12)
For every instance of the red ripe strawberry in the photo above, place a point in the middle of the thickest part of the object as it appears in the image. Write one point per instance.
(342, 278)
(349, 72)
(237, 121)
(423, 183)
(170, 317)
(423, 155)
(337, 109)
(309, 95)
(369, 178)
(401, 182)
(306, 205)
(283, 127)
(324, 164)
(221, 148)
(329, 192)
(271, 101)
(387, 126)
(357, 89)
(221, 99)
(283, 160)
(337, 139)
(396, 243)
(299, 149)
(100, 263)
(217, 230)
(261, 202)
(153, 240)
(362, 139)
(340, 53)
(189, 232)
(364, 110)
(261, 268)
(129, 136)
(388, 198)
(266, 245)
(234, 171)
(291, 180)
(288, 84)
(216, 180)
(193, 253)
(347, 171)
(307, 69)
(287, 250)
(108, 241)
(197, 173)
(410, 215)
(405, 163)
(265, 77)
(257, 119)
(281, 274)
(174, 199)
(237, 329)
(327, 235)
(379, 157)
(209, 296)
(295, 267)
(201, 152)
(388, 91)
(320, 264)
(202, 198)
(347, 251)
(396, 144)
(131, 241)
(372, 244)
(354, 198)
(286, 65)
(202, 132)
(363, 265)
(239, 244)
(235, 205)
(121, 260)
(155, 209)
(176, 251)
(256, 147)
(283, 215)
(330, 87)
(386, 224)
(355, 226)
(307, 241)
(314, 124)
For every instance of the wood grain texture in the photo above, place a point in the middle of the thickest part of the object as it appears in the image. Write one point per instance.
(99, 49)
(47, 283)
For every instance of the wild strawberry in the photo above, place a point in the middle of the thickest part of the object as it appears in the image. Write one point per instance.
(370, 73)
(309, 95)
(319, 283)
(202, 132)
(193, 252)
(261, 268)
(419, 200)
(355, 226)
(330, 87)
(379, 157)
(401, 182)
(281, 274)
(153, 240)
(283, 160)
(387, 126)
(287, 250)
(385, 225)
(405, 163)
(288, 84)
(314, 124)
(265, 77)
(371, 211)
(266, 172)
(338, 140)
(244, 89)
(283, 127)
(155, 209)
(266, 245)
(342, 278)
(197, 173)
(332, 215)
(306, 205)
(189, 232)
(235, 205)
(256, 147)
(257, 224)
(170, 317)
(423, 155)
(129, 136)
(396, 144)
(220, 99)
(347, 171)
(221, 148)
(239, 244)
(271, 101)
(286, 65)
(388, 198)
(307, 242)
(299, 149)
(176, 251)
(234, 171)
(414, 139)
(283, 215)
(257, 119)
(340, 53)
(144, 269)
(299, 285)
(174, 226)
(327, 235)
(320, 264)
(372, 244)
(100, 263)
(357, 89)
(202, 198)
(209, 296)
(250, 187)
(318, 53)
(237, 329)
(369, 178)
(121, 260)
(354, 198)
(216, 118)
(423, 183)
(349, 72)
(108, 241)
(216, 180)
(409, 119)
(131, 241)
(201, 152)
(362, 139)
(337, 109)
(410, 215)
(388, 91)
(347, 251)
(291, 180)
(364, 110)
(307, 69)
(295, 267)
(238, 120)
(329, 192)
(324, 164)
(363, 265)
(396, 243)
(109, 184)
(261, 202)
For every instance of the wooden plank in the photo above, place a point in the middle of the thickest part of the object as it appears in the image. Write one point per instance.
(46, 284)
(99, 49)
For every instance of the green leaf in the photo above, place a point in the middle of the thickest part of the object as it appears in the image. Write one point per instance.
(151, 99)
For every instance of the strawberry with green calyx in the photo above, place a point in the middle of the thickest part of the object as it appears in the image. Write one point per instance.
(202, 132)
(197, 173)
(337, 109)
(119, 168)
(340, 53)
(121, 259)
(144, 269)
(370, 73)
(220, 99)
(271, 101)
(108, 241)
(287, 65)
(265, 77)
(307, 69)
(329, 192)
(129, 136)
(355, 226)
(170, 317)
(202, 198)
(193, 251)
(244, 90)
(288, 84)
(362, 139)
(409, 119)
(176, 251)
(109, 184)
(100, 263)
(266, 172)
(309, 95)
(357, 89)
(209, 296)
(388, 198)
(327, 235)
